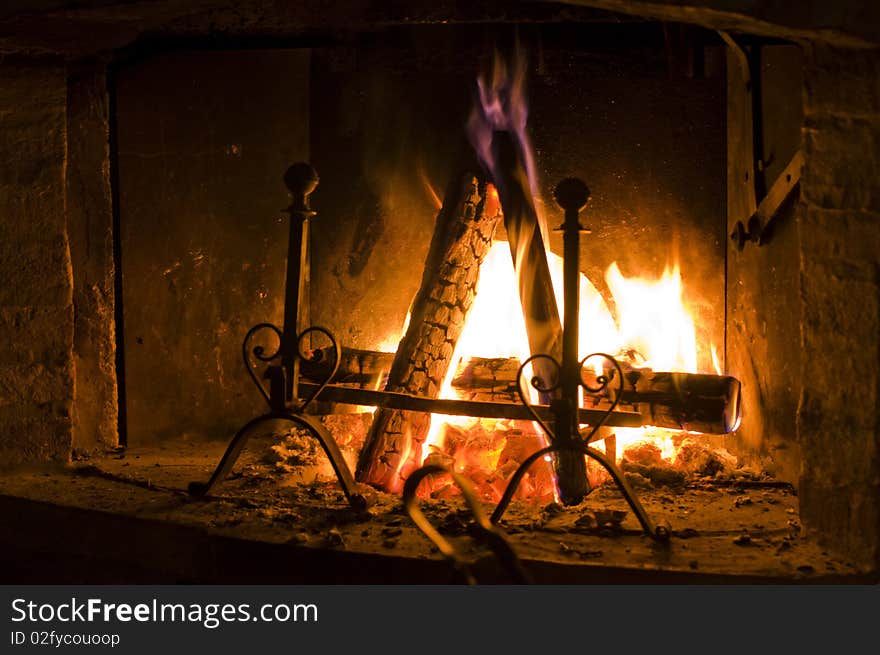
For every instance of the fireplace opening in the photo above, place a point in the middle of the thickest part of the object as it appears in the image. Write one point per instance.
(432, 256)
(386, 128)
(390, 125)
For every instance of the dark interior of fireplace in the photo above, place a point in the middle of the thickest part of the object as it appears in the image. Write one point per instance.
(187, 189)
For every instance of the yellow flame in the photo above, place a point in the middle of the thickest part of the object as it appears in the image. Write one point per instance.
(651, 320)
(716, 364)
(429, 190)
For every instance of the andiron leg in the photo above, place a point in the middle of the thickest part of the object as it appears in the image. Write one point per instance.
(355, 494)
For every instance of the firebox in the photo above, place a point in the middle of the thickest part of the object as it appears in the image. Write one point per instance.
(560, 295)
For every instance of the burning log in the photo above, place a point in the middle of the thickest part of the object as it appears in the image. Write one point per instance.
(473, 408)
(366, 368)
(462, 237)
(696, 402)
(482, 378)
(497, 131)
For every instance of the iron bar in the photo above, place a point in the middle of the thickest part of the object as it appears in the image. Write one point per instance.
(490, 534)
(283, 362)
(301, 179)
(477, 409)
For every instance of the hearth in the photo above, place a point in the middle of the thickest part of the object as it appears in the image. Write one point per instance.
(424, 314)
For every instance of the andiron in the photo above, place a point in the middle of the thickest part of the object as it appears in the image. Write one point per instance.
(282, 372)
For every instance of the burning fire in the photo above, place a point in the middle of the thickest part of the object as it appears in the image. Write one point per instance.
(652, 322)
(650, 329)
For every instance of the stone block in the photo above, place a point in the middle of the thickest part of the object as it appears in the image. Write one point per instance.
(36, 308)
(35, 273)
(25, 439)
(843, 82)
(35, 334)
(845, 235)
(842, 168)
(90, 227)
(35, 384)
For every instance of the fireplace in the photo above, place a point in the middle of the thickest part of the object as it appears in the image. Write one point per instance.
(729, 160)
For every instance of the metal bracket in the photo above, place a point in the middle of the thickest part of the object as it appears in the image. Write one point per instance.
(761, 222)
(358, 496)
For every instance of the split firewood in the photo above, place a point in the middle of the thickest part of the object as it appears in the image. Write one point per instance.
(462, 238)
(491, 379)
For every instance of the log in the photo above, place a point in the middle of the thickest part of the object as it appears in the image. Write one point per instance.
(491, 379)
(697, 402)
(462, 238)
(366, 368)
(538, 300)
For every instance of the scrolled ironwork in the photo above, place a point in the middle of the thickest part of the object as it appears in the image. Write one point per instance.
(260, 353)
(300, 353)
(603, 382)
(358, 496)
(660, 533)
(537, 382)
(534, 383)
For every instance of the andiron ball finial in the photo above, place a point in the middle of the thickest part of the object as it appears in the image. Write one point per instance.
(301, 179)
(571, 194)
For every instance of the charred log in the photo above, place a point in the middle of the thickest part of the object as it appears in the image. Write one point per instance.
(696, 402)
(687, 401)
(462, 238)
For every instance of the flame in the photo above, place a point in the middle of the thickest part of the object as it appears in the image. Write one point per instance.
(652, 322)
(501, 106)
(715, 362)
(429, 189)
(651, 328)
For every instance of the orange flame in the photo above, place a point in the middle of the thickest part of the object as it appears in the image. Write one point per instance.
(652, 321)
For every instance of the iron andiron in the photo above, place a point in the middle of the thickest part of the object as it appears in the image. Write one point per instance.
(282, 371)
(572, 195)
